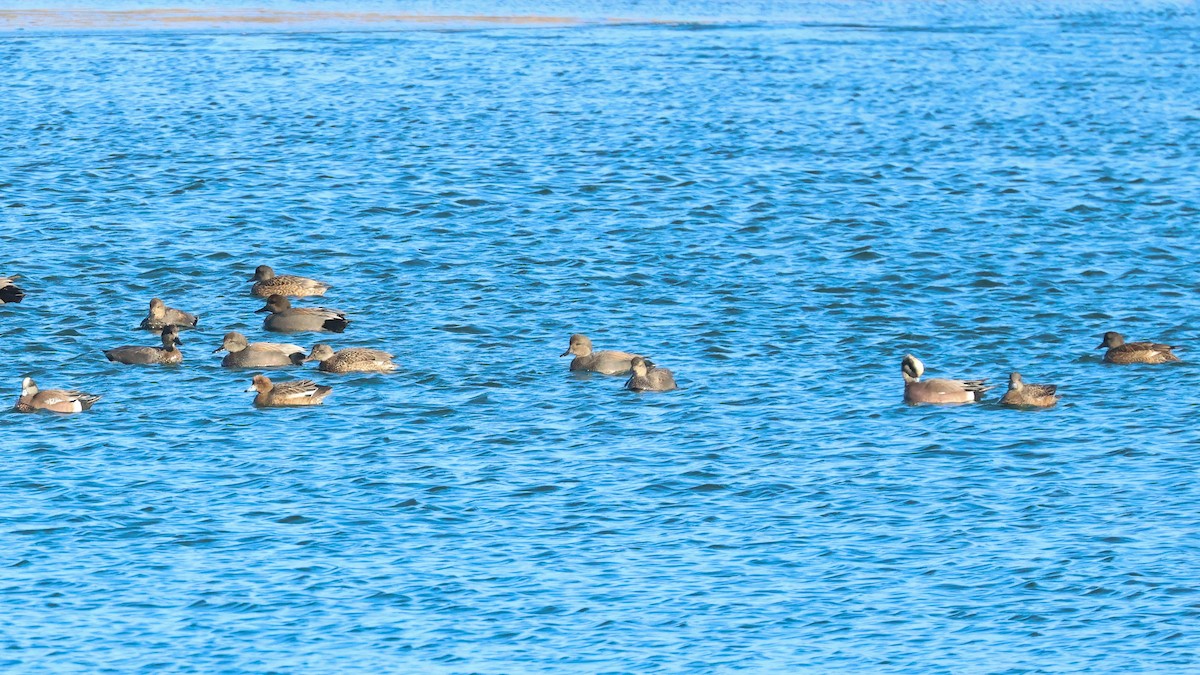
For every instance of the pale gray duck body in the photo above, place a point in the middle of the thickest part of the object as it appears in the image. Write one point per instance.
(287, 319)
(242, 354)
(167, 354)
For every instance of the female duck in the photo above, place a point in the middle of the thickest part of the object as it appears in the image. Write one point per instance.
(286, 394)
(352, 360)
(1033, 395)
(267, 284)
(1120, 351)
(162, 316)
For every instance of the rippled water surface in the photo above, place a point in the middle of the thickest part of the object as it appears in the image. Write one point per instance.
(777, 210)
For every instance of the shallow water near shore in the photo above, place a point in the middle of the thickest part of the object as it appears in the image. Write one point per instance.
(777, 210)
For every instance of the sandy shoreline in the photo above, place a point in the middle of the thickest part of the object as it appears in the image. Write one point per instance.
(234, 19)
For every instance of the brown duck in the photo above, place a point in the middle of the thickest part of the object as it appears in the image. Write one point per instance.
(1034, 395)
(1120, 351)
(286, 394)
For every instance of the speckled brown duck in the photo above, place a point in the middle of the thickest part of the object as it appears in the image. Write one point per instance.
(1021, 393)
(1120, 351)
(287, 394)
(161, 316)
(267, 283)
(55, 400)
(351, 360)
(937, 390)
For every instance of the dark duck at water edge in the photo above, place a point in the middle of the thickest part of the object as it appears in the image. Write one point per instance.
(287, 319)
(1120, 351)
(9, 293)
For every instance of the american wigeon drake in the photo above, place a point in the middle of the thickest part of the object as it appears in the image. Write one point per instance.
(286, 394)
(352, 360)
(1022, 394)
(54, 400)
(1120, 351)
(267, 284)
(649, 377)
(162, 316)
(242, 354)
(606, 362)
(287, 319)
(9, 293)
(135, 355)
(937, 390)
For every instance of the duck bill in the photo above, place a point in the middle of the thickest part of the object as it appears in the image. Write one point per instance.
(251, 388)
(261, 310)
(219, 349)
(566, 353)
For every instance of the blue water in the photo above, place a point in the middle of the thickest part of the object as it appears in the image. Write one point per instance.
(777, 210)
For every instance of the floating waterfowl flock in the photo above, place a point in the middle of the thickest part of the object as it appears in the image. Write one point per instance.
(644, 375)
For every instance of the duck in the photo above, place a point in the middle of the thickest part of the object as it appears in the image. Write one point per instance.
(9, 293)
(287, 319)
(649, 377)
(242, 354)
(1035, 395)
(937, 390)
(54, 400)
(1120, 351)
(267, 284)
(605, 362)
(287, 394)
(162, 316)
(351, 360)
(137, 355)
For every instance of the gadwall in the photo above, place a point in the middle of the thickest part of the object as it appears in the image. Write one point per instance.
(54, 400)
(295, 392)
(606, 362)
(135, 355)
(162, 316)
(267, 284)
(1022, 394)
(287, 319)
(937, 390)
(9, 293)
(649, 377)
(258, 355)
(1120, 351)
(352, 360)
